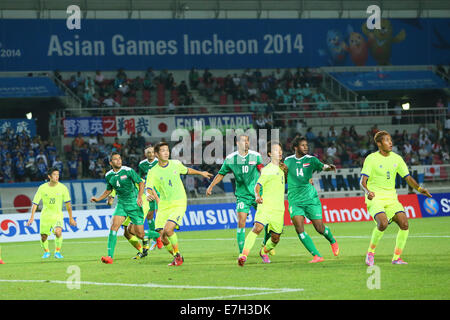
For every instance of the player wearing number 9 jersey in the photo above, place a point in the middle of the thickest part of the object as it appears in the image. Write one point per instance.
(378, 182)
(172, 202)
(303, 198)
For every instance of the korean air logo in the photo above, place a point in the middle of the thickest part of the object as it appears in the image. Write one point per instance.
(8, 228)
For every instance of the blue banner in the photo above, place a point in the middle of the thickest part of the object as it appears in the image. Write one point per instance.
(437, 206)
(37, 44)
(390, 80)
(28, 87)
(18, 126)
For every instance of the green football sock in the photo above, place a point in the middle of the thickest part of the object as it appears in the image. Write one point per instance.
(112, 240)
(400, 243)
(376, 237)
(249, 242)
(308, 243)
(151, 224)
(152, 234)
(241, 238)
(44, 245)
(58, 243)
(328, 235)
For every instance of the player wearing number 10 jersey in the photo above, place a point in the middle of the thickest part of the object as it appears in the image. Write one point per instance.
(245, 165)
(303, 198)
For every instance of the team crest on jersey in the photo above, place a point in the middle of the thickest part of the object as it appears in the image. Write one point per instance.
(123, 177)
(305, 165)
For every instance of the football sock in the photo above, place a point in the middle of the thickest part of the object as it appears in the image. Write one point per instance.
(112, 240)
(328, 235)
(58, 243)
(241, 238)
(151, 224)
(134, 241)
(249, 242)
(173, 239)
(400, 243)
(376, 237)
(44, 245)
(266, 234)
(308, 243)
(169, 248)
(269, 246)
(152, 234)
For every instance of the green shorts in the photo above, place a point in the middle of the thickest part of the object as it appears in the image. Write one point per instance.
(244, 205)
(131, 211)
(310, 211)
(390, 206)
(48, 224)
(273, 218)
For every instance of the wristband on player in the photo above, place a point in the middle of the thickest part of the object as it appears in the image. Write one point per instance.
(325, 167)
(420, 189)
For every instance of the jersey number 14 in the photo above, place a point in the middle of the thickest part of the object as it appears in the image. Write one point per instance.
(300, 172)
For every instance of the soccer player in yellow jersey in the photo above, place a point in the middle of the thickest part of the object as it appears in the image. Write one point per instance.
(378, 182)
(52, 194)
(172, 202)
(270, 210)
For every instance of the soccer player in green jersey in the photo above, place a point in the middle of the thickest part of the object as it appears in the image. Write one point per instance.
(144, 166)
(378, 182)
(270, 211)
(245, 165)
(303, 198)
(165, 177)
(53, 194)
(123, 179)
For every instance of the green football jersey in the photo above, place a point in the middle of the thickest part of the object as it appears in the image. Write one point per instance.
(124, 182)
(146, 165)
(245, 172)
(300, 171)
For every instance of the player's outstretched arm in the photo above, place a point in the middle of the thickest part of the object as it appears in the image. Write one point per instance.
(413, 184)
(329, 167)
(102, 197)
(217, 179)
(204, 174)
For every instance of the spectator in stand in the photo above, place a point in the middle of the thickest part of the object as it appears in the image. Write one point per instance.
(7, 172)
(42, 169)
(99, 78)
(72, 164)
(140, 141)
(79, 78)
(42, 156)
(331, 152)
(20, 169)
(207, 76)
(79, 141)
(193, 79)
(407, 147)
(182, 88)
(117, 145)
(310, 136)
(364, 106)
(59, 165)
(84, 155)
(171, 107)
(110, 102)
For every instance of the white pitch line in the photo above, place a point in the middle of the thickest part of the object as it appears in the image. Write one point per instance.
(153, 285)
(244, 295)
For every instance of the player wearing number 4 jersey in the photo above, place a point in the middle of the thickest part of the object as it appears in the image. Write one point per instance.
(303, 198)
(245, 165)
(378, 182)
(52, 194)
(165, 177)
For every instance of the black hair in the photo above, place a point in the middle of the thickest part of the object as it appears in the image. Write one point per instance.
(51, 170)
(297, 141)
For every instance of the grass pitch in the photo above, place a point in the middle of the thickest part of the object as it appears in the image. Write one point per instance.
(210, 270)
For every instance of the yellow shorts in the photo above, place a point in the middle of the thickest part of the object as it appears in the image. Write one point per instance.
(390, 206)
(273, 218)
(170, 211)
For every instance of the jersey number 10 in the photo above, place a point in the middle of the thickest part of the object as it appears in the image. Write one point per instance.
(244, 169)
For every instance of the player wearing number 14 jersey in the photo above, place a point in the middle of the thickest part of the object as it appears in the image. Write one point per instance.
(303, 198)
